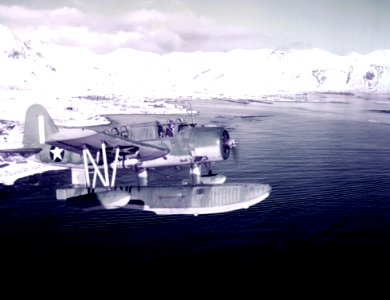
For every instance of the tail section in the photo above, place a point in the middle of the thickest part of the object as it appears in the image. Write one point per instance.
(38, 126)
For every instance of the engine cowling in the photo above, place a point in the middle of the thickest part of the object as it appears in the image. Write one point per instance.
(210, 142)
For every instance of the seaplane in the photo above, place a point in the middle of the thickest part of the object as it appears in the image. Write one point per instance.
(94, 156)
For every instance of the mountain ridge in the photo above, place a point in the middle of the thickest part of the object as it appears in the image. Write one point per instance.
(240, 73)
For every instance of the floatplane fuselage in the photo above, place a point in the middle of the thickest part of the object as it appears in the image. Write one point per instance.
(138, 147)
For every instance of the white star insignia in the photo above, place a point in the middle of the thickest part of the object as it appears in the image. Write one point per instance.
(57, 153)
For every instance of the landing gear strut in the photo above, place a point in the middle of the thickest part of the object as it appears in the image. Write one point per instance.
(195, 174)
(142, 176)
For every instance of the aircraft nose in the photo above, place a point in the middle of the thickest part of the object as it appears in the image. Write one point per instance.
(232, 143)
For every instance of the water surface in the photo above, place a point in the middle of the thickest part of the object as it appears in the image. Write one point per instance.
(328, 165)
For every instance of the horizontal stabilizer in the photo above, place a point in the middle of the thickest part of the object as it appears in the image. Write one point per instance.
(21, 151)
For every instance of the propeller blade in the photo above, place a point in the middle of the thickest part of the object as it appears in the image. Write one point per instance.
(235, 154)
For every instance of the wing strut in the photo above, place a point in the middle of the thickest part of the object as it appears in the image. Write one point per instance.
(94, 173)
(104, 178)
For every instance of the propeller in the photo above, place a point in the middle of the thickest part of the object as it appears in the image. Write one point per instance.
(229, 145)
(225, 144)
(234, 151)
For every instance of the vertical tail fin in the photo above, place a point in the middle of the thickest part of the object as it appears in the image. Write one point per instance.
(38, 126)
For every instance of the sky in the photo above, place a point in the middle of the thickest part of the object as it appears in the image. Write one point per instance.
(164, 26)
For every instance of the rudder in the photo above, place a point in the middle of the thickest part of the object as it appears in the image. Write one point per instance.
(38, 126)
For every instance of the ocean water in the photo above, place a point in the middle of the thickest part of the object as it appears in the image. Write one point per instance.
(328, 164)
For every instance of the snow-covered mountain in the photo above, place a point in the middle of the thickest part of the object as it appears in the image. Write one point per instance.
(59, 70)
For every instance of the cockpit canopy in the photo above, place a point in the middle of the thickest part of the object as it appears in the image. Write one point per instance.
(148, 131)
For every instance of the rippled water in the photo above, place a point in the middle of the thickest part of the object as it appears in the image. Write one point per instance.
(328, 165)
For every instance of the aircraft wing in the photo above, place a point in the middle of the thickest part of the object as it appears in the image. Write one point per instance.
(25, 152)
(74, 140)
